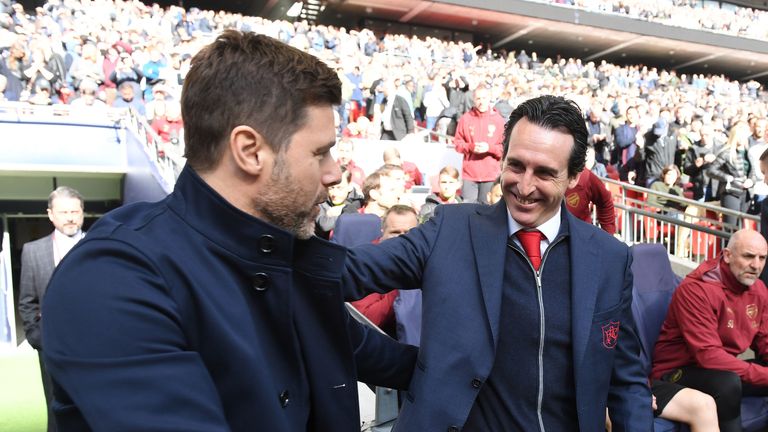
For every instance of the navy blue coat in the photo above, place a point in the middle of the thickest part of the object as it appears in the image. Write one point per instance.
(458, 260)
(190, 315)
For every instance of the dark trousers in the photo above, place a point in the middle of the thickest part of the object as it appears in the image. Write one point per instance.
(475, 191)
(725, 387)
(48, 390)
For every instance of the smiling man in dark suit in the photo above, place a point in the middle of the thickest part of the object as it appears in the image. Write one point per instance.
(527, 322)
(38, 260)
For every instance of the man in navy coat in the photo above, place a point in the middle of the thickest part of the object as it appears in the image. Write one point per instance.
(518, 334)
(216, 309)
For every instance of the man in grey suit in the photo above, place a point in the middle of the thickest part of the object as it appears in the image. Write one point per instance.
(38, 260)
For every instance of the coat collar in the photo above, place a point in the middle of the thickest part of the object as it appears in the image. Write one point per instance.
(247, 237)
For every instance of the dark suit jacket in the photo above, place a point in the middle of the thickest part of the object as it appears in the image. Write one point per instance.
(36, 269)
(458, 259)
(402, 118)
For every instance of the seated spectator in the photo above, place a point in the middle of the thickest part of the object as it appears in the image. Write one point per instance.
(449, 182)
(412, 174)
(716, 313)
(398, 220)
(341, 197)
(126, 99)
(668, 183)
(87, 92)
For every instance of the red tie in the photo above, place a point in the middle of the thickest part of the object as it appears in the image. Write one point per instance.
(531, 241)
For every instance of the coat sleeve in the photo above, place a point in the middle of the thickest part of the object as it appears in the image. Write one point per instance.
(29, 300)
(116, 350)
(698, 325)
(381, 360)
(629, 397)
(463, 143)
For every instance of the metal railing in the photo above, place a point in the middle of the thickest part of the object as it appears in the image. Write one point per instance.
(696, 233)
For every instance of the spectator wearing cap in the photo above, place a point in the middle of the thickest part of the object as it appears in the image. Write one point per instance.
(659, 151)
(127, 99)
(87, 95)
(160, 95)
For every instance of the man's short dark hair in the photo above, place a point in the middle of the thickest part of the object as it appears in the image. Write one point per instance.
(372, 182)
(764, 155)
(554, 113)
(253, 80)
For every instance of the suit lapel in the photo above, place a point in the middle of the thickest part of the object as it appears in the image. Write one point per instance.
(489, 231)
(584, 267)
(46, 267)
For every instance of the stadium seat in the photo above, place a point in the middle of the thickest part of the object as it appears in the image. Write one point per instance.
(654, 284)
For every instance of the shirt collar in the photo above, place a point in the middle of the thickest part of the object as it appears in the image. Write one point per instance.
(550, 228)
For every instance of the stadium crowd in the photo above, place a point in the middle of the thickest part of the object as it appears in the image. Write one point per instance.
(698, 15)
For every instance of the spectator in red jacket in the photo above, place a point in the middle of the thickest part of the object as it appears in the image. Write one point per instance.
(719, 311)
(590, 191)
(398, 220)
(479, 136)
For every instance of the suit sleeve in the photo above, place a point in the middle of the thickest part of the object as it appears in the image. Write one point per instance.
(29, 301)
(395, 263)
(698, 325)
(116, 350)
(629, 398)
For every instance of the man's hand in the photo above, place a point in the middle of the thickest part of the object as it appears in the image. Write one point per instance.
(698, 162)
(481, 147)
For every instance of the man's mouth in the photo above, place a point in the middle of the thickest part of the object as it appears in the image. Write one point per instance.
(525, 201)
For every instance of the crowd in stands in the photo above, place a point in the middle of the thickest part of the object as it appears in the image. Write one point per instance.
(694, 14)
(641, 119)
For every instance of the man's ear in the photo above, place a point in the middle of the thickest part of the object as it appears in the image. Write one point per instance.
(250, 151)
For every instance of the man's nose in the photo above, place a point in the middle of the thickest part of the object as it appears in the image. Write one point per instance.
(526, 185)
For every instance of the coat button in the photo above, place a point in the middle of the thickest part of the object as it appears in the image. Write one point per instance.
(476, 383)
(266, 243)
(260, 281)
(285, 398)
(453, 429)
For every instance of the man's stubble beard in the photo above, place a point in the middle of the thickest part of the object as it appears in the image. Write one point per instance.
(278, 205)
